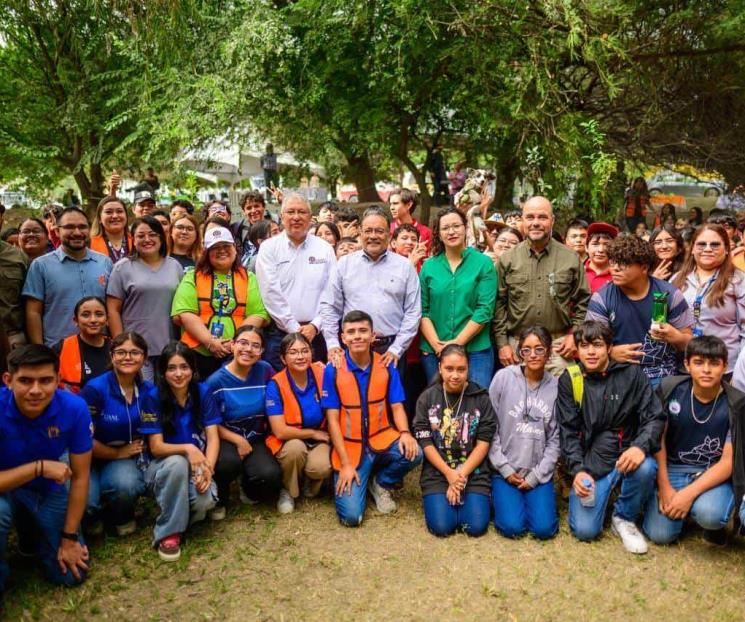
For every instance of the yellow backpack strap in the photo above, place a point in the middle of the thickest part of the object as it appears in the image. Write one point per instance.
(578, 383)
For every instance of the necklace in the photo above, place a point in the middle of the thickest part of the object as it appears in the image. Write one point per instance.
(711, 412)
(448, 411)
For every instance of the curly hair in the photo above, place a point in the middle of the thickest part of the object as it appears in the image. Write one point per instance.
(630, 249)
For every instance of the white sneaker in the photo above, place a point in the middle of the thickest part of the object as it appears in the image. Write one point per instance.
(633, 540)
(218, 513)
(245, 500)
(382, 497)
(126, 529)
(285, 504)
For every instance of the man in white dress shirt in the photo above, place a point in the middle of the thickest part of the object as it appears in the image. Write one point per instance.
(381, 283)
(292, 269)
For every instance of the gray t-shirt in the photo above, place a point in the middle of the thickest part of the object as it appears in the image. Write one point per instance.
(146, 296)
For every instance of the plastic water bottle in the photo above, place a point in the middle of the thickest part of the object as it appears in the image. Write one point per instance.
(589, 500)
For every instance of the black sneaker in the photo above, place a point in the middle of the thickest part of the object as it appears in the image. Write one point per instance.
(717, 537)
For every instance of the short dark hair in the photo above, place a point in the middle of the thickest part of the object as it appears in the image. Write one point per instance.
(626, 250)
(407, 196)
(73, 210)
(330, 206)
(8, 232)
(253, 196)
(32, 355)
(82, 301)
(375, 210)
(722, 219)
(356, 316)
(577, 223)
(346, 214)
(260, 230)
(406, 228)
(247, 328)
(347, 240)
(129, 335)
(591, 330)
(289, 339)
(708, 347)
(437, 246)
(187, 205)
(543, 336)
(453, 348)
(513, 213)
(161, 212)
(155, 225)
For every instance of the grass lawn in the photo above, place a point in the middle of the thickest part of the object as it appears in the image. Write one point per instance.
(257, 565)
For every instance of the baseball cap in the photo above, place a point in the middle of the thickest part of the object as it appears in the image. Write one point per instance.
(144, 195)
(217, 235)
(602, 228)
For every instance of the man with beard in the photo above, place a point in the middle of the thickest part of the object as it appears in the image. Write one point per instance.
(57, 280)
(541, 282)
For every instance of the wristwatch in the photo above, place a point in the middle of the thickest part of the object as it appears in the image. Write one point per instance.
(69, 536)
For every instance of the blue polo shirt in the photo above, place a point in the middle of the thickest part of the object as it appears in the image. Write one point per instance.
(308, 398)
(330, 398)
(59, 281)
(183, 421)
(242, 403)
(116, 422)
(64, 427)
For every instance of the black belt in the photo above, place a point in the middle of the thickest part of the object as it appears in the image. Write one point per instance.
(384, 341)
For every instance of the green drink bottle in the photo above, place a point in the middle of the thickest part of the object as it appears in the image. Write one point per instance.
(659, 307)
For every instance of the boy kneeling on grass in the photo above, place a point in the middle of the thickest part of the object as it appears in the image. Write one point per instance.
(43, 428)
(695, 475)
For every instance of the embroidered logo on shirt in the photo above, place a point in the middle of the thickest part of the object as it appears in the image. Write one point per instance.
(148, 417)
(316, 260)
(52, 431)
(674, 407)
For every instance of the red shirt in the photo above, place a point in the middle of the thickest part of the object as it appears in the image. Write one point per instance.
(425, 233)
(595, 280)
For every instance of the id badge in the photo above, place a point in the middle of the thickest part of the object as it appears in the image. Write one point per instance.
(217, 329)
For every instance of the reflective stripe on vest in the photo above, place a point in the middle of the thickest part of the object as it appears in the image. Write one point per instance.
(291, 410)
(380, 433)
(70, 365)
(205, 288)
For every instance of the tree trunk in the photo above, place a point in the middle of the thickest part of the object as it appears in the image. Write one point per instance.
(506, 174)
(91, 187)
(360, 171)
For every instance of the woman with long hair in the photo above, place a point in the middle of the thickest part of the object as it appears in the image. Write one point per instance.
(141, 288)
(667, 211)
(328, 231)
(109, 230)
(239, 389)
(118, 401)
(525, 447)
(714, 289)
(184, 442)
(186, 242)
(459, 290)
(670, 249)
(637, 203)
(454, 424)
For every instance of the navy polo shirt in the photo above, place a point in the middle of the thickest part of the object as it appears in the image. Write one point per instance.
(330, 398)
(64, 427)
(310, 405)
(183, 421)
(116, 422)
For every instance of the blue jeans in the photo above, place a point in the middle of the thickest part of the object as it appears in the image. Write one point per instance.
(586, 523)
(390, 467)
(480, 366)
(711, 509)
(115, 486)
(742, 512)
(43, 519)
(443, 519)
(517, 512)
(180, 503)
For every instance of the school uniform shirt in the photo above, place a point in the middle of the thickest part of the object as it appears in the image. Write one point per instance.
(185, 431)
(63, 427)
(689, 442)
(116, 422)
(242, 403)
(308, 398)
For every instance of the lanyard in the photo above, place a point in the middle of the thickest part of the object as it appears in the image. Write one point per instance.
(136, 395)
(700, 295)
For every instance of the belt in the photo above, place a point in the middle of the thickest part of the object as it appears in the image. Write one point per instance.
(384, 341)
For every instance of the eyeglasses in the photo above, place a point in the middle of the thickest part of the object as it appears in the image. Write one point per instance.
(449, 228)
(249, 345)
(303, 352)
(31, 233)
(702, 246)
(538, 351)
(188, 228)
(74, 227)
(373, 232)
(127, 354)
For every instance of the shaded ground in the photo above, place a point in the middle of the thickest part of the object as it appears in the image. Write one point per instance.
(256, 565)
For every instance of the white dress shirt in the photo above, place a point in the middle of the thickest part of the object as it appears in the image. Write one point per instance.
(388, 289)
(292, 278)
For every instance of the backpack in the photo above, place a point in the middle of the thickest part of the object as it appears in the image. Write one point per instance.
(578, 384)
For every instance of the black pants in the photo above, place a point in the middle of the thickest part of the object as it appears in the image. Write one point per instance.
(261, 475)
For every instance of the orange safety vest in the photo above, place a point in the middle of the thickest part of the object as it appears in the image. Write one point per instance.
(98, 244)
(380, 433)
(290, 404)
(207, 311)
(631, 206)
(70, 365)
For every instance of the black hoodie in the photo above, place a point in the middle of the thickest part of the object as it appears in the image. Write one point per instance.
(619, 409)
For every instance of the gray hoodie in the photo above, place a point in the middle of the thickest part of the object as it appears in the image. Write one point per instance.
(527, 438)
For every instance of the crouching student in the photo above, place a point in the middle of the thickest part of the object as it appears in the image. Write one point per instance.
(372, 445)
(117, 400)
(610, 424)
(695, 463)
(293, 406)
(454, 424)
(525, 446)
(45, 458)
(184, 441)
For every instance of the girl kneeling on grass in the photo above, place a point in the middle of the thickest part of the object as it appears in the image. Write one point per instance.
(184, 441)
(454, 424)
(525, 446)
